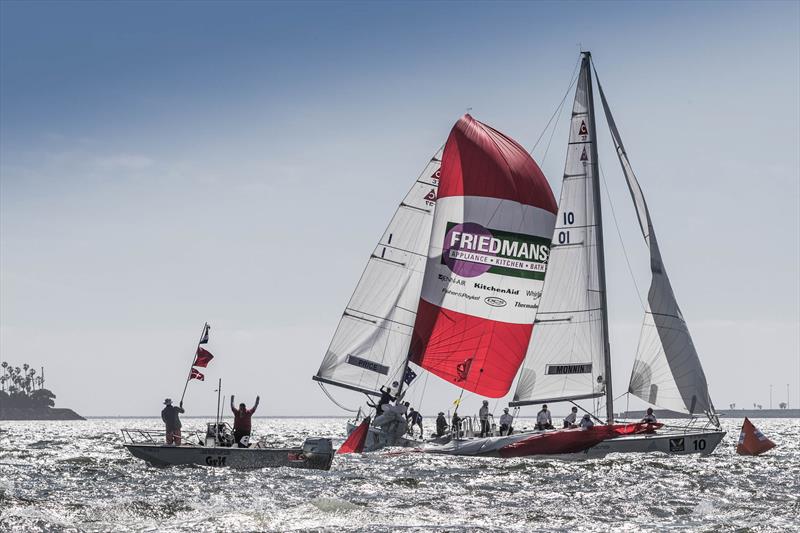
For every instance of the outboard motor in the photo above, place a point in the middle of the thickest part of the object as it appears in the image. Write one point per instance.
(318, 452)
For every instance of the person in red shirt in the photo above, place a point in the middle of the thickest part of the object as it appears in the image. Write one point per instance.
(241, 421)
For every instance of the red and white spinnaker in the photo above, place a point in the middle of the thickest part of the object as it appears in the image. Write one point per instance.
(487, 257)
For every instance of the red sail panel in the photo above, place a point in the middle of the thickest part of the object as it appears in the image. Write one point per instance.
(752, 441)
(356, 440)
(473, 353)
(487, 258)
(480, 161)
(560, 441)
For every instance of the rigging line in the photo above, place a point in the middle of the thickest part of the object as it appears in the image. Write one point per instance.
(331, 398)
(619, 235)
(573, 78)
(553, 131)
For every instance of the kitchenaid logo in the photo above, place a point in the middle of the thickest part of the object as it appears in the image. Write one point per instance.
(469, 250)
(492, 288)
(569, 368)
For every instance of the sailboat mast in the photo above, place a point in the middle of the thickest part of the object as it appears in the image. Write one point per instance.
(586, 64)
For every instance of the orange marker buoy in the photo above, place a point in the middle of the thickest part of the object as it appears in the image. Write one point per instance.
(752, 441)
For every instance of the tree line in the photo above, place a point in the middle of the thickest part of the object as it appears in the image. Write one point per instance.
(21, 387)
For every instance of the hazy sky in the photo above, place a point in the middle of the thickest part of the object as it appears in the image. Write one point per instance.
(166, 164)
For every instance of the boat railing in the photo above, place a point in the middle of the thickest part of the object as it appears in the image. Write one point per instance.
(152, 436)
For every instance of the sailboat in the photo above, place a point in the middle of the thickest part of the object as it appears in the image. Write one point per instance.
(569, 357)
(451, 288)
(401, 313)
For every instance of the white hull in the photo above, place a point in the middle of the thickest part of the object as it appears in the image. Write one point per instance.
(675, 443)
(315, 453)
(670, 443)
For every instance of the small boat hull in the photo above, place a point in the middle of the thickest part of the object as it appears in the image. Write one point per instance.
(316, 453)
(671, 443)
(576, 444)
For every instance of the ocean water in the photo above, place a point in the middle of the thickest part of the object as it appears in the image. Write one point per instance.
(75, 476)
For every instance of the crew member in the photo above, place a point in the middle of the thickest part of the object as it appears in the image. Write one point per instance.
(543, 419)
(441, 425)
(415, 419)
(242, 421)
(649, 418)
(172, 422)
(456, 424)
(386, 398)
(483, 415)
(586, 422)
(569, 421)
(505, 423)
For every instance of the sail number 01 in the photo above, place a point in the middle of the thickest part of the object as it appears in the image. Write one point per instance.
(569, 219)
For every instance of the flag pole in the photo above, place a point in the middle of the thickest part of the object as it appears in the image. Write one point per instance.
(219, 395)
(189, 377)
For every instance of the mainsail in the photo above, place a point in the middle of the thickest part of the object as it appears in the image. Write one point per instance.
(370, 346)
(667, 370)
(566, 356)
(488, 253)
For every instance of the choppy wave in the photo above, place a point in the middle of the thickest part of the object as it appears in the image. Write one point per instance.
(75, 476)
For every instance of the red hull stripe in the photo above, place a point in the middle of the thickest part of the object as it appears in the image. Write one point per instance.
(473, 353)
(476, 152)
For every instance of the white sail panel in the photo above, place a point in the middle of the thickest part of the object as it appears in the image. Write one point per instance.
(370, 345)
(667, 370)
(565, 358)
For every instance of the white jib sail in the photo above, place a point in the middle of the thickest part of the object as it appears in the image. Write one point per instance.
(370, 345)
(667, 370)
(565, 358)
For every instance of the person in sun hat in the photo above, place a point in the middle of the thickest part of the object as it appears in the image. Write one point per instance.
(505, 423)
(483, 414)
(172, 421)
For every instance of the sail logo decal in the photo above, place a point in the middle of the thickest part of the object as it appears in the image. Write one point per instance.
(583, 130)
(469, 250)
(430, 198)
(677, 445)
(462, 370)
(366, 364)
(494, 301)
(568, 368)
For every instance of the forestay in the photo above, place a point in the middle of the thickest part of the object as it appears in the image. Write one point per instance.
(370, 345)
(486, 262)
(565, 359)
(667, 370)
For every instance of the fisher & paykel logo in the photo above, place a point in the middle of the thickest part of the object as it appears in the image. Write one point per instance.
(469, 250)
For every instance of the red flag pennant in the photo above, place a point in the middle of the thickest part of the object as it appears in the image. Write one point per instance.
(355, 442)
(195, 374)
(752, 441)
(202, 357)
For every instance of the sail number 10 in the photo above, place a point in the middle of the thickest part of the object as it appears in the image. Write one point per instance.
(569, 219)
